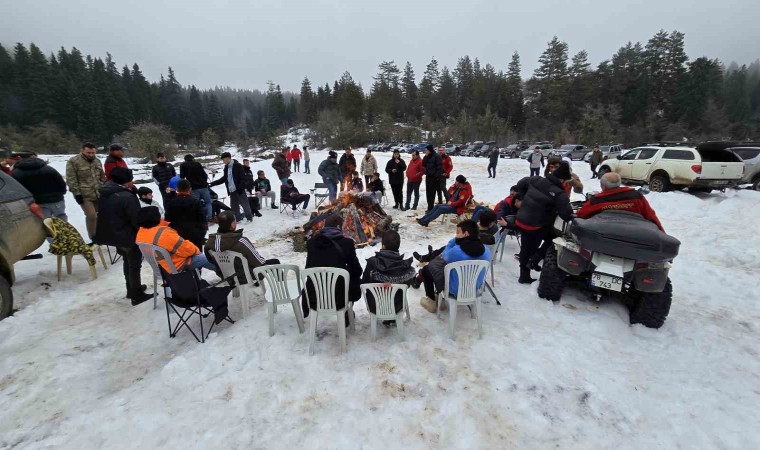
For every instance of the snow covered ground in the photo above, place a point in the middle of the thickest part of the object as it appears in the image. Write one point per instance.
(81, 368)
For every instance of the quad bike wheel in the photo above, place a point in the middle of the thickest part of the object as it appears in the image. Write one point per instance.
(651, 309)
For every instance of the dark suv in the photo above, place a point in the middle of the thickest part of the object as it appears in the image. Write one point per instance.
(21, 232)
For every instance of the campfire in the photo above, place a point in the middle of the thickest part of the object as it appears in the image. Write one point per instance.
(363, 219)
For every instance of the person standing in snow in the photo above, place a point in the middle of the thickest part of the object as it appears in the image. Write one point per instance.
(347, 165)
(117, 226)
(493, 159)
(185, 214)
(295, 155)
(448, 166)
(414, 172)
(115, 159)
(44, 183)
(433, 173)
(192, 171)
(248, 176)
(306, 159)
(395, 170)
(329, 170)
(368, 166)
(596, 158)
(282, 166)
(233, 179)
(536, 161)
(162, 172)
(85, 176)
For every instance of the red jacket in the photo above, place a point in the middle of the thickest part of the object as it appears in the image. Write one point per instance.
(465, 194)
(295, 154)
(415, 170)
(112, 162)
(619, 199)
(448, 165)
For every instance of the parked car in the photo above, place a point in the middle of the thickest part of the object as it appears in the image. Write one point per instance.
(472, 148)
(573, 151)
(547, 149)
(21, 232)
(704, 168)
(453, 149)
(608, 151)
(750, 154)
(484, 149)
(512, 150)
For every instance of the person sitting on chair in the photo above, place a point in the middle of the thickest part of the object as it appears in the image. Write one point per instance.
(356, 182)
(217, 206)
(329, 248)
(459, 194)
(388, 266)
(502, 209)
(263, 188)
(145, 194)
(376, 187)
(229, 238)
(290, 195)
(186, 215)
(465, 246)
(184, 254)
(487, 229)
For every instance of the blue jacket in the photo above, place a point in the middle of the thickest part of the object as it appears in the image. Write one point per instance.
(461, 250)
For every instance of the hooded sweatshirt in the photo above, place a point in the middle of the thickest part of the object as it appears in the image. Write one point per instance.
(329, 248)
(44, 182)
(118, 208)
(462, 249)
(388, 266)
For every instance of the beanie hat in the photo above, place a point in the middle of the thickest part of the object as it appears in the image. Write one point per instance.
(148, 217)
(553, 160)
(430, 147)
(121, 175)
(332, 154)
(173, 182)
(114, 147)
(461, 179)
(562, 172)
(189, 157)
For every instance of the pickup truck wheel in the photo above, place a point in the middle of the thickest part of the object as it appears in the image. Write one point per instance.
(651, 309)
(602, 171)
(659, 183)
(6, 298)
(551, 283)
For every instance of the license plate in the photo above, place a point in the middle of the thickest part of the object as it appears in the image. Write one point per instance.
(608, 282)
(720, 183)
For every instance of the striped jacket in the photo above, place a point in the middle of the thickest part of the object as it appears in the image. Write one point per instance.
(236, 242)
(179, 249)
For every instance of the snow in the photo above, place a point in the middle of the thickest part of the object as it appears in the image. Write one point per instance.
(81, 368)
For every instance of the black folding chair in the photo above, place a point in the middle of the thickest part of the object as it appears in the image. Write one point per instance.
(115, 257)
(194, 296)
(320, 194)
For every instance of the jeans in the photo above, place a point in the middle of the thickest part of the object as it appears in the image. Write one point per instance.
(200, 262)
(204, 196)
(332, 188)
(131, 264)
(534, 171)
(480, 209)
(413, 187)
(431, 187)
(306, 166)
(57, 209)
(492, 170)
(593, 170)
(297, 165)
(284, 181)
(238, 199)
(437, 211)
(427, 281)
(296, 199)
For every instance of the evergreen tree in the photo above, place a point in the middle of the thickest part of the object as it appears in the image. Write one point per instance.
(409, 109)
(515, 107)
(197, 112)
(446, 98)
(552, 76)
(307, 112)
(428, 88)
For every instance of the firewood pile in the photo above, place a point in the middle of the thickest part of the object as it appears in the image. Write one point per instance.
(363, 219)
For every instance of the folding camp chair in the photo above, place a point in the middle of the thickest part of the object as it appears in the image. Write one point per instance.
(194, 296)
(320, 194)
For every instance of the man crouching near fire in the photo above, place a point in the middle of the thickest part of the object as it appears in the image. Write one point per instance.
(618, 198)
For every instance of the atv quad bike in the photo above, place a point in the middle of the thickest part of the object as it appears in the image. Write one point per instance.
(615, 254)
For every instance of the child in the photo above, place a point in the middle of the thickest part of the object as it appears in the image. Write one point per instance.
(356, 182)
(376, 187)
(145, 194)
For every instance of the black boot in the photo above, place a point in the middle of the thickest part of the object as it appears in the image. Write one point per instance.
(525, 276)
(139, 297)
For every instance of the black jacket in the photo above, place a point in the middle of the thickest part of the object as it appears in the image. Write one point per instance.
(398, 177)
(262, 183)
(238, 177)
(118, 208)
(388, 266)
(248, 178)
(543, 198)
(162, 173)
(186, 216)
(347, 164)
(193, 172)
(44, 182)
(329, 248)
(493, 156)
(433, 165)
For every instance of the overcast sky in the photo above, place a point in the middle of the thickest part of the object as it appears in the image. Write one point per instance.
(243, 44)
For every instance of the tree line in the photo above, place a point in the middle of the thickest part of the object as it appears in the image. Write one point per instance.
(650, 91)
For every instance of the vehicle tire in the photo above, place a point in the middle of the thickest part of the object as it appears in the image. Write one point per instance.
(659, 183)
(651, 309)
(551, 282)
(602, 170)
(514, 155)
(6, 298)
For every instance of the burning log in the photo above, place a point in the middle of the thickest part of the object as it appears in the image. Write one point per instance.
(363, 218)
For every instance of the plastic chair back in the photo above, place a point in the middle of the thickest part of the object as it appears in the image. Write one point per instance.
(324, 280)
(468, 273)
(153, 254)
(276, 276)
(384, 295)
(226, 262)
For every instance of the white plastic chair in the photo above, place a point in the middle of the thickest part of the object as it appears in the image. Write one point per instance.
(277, 277)
(226, 262)
(467, 294)
(500, 235)
(153, 254)
(324, 280)
(385, 307)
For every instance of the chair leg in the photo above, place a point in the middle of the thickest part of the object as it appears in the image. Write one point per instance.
(68, 264)
(351, 316)
(299, 317)
(452, 317)
(342, 329)
(492, 282)
(313, 324)
(270, 314)
(480, 319)
(93, 272)
(406, 307)
(155, 290)
(102, 257)
(60, 263)
(438, 305)
(373, 326)
(400, 325)
(472, 311)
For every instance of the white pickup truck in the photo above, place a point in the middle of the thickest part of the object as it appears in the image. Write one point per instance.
(703, 168)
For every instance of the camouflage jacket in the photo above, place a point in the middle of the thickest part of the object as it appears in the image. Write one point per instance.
(84, 177)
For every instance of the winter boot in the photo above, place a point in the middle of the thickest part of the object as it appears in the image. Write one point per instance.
(139, 297)
(417, 281)
(525, 276)
(429, 304)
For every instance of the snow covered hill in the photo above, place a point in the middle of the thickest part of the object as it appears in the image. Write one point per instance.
(81, 368)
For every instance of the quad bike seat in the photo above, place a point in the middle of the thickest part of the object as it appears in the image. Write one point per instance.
(626, 235)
